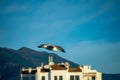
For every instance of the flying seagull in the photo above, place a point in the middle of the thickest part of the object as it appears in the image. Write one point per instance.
(52, 47)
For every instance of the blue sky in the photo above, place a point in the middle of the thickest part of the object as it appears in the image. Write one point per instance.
(89, 30)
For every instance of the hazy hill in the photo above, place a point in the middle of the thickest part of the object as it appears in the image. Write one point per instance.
(12, 60)
(110, 76)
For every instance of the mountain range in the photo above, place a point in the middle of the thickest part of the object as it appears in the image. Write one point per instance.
(11, 61)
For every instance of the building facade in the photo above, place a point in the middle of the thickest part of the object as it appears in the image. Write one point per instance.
(60, 71)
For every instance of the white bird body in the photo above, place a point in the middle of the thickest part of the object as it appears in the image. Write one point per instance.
(55, 49)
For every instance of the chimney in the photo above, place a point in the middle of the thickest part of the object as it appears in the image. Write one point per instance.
(67, 65)
(42, 64)
(29, 69)
(51, 60)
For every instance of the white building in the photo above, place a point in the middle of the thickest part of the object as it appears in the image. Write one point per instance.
(60, 71)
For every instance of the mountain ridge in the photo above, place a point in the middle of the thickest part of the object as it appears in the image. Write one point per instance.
(11, 61)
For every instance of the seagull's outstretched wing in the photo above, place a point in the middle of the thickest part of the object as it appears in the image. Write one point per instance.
(60, 48)
(40, 46)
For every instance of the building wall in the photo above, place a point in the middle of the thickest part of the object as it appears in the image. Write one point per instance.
(75, 74)
(27, 76)
(38, 73)
(64, 73)
(45, 74)
(86, 74)
(99, 76)
(92, 76)
(59, 73)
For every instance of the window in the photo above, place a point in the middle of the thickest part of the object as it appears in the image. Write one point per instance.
(60, 77)
(93, 78)
(76, 77)
(71, 77)
(43, 77)
(33, 78)
(55, 77)
(25, 78)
